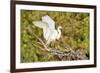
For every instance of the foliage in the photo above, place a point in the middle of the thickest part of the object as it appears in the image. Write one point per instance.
(75, 34)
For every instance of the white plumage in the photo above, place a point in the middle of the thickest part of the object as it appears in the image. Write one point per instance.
(49, 32)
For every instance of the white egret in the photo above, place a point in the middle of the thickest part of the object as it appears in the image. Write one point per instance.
(49, 32)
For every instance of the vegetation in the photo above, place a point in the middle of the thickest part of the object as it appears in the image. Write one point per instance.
(75, 35)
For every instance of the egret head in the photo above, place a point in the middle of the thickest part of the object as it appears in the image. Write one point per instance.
(59, 27)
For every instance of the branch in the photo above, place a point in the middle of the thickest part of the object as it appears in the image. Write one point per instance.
(46, 48)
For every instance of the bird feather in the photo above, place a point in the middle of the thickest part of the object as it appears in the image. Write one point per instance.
(49, 21)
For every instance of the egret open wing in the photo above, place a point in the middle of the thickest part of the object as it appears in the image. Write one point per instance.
(40, 24)
(49, 21)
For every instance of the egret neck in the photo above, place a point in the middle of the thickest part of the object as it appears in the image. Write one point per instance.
(59, 32)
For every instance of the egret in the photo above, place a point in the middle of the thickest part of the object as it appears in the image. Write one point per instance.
(49, 32)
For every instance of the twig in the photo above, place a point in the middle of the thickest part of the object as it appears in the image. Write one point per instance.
(37, 46)
(39, 39)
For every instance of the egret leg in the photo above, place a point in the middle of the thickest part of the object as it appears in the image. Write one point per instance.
(48, 42)
(53, 44)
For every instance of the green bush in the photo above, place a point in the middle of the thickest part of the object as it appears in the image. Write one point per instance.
(75, 34)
